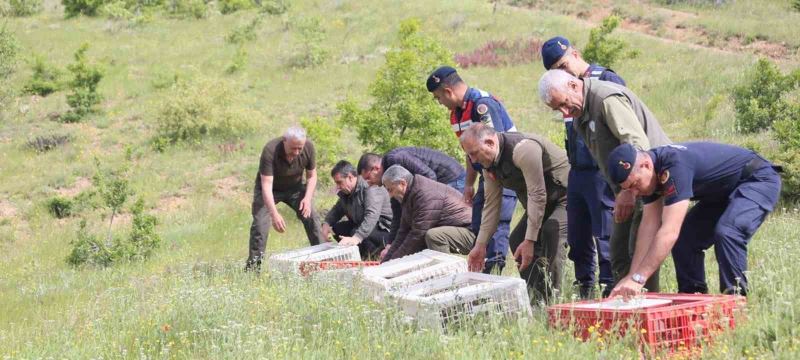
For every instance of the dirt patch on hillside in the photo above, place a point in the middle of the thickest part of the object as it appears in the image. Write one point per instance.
(171, 203)
(230, 187)
(80, 185)
(674, 25)
(7, 209)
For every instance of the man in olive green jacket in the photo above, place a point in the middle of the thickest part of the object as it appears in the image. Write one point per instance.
(606, 115)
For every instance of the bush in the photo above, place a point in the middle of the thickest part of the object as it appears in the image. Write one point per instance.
(42, 144)
(88, 249)
(312, 36)
(8, 60)
(601, 49)
(759, 100)
(502, 53)
(191, 9)
(232, 6)
(74, 8)
(83, 96)
(246, 33)
(326, 136)
(21, 8)
(796, 5)
(239, 61)
(274, 7)
(402, 111)
(201, 109)
(60, 207)
(46, 78)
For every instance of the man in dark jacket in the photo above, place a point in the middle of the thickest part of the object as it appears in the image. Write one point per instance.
(432, 164)
(366, 209)
(537, 170)
(434, 215)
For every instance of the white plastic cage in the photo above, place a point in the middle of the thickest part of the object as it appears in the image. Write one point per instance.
(409, 270)
(451, 301)
(289, 261)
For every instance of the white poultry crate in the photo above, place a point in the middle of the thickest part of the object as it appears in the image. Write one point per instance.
(409, 270)
(450, 301)
(289, 261)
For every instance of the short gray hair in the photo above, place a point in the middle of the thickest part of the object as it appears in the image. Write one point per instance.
(553, 80)
(294, 132)
(395, 173)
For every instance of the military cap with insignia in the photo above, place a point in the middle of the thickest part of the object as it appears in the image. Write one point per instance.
(437, 76)
(553, 50)
(621, 161)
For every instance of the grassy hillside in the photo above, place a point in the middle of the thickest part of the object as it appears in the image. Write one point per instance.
(192, 301)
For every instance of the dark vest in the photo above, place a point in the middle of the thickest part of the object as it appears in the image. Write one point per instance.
(554, 163)
(593, 127)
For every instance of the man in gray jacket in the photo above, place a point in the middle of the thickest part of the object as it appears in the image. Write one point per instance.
(366, 209)
(435, 215)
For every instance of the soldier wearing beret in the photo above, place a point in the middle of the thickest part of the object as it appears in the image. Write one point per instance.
(469, 106)
(590, 201)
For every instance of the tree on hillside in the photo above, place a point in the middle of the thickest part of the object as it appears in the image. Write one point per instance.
(603, 50)
(402, 111)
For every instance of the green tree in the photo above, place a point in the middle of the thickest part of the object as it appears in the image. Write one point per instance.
(402, 111)
(83, 96)
(326, 136)
(604, 50)
(759, 100)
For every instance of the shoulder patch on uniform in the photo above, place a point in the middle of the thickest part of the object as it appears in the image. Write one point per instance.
(482, 109)
(663, 177)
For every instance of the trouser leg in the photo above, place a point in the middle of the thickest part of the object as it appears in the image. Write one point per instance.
(580, 240)
(311, 224)
(450, 239)
(696, 235)
(259, 232)
(544, 274)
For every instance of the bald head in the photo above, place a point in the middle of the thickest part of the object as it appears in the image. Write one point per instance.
(480, 142)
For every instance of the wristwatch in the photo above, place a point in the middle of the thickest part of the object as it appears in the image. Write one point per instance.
(638, 278)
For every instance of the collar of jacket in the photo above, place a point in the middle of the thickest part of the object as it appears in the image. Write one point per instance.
(501, 140)
(587, 85)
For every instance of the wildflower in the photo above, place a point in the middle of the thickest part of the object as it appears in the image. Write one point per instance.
(166, 327)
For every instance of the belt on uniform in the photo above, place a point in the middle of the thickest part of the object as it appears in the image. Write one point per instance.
(758, 163)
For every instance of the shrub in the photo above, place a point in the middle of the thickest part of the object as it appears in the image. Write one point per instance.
(60, 207)
(602, 49)
(796, 5)
(326, 136)
(8, 60)
(245, 33)
(196, 9)
(46, 78)
(22, 8)
(74, 8)
(758, 101)
(46, 143)
(88, 249)
(200, 109)
(311, 53)
(9, 47)
(239, 61)
(402, 111)
(274, 7)
(83, 96)
(232, 6)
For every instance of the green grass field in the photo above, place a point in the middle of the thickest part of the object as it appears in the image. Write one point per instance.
(191, 300)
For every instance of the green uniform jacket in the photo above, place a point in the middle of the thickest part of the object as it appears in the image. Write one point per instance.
(613, 115)
(534, 168)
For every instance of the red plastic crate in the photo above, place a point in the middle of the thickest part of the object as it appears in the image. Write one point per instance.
(309, 267)
(682, 326)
